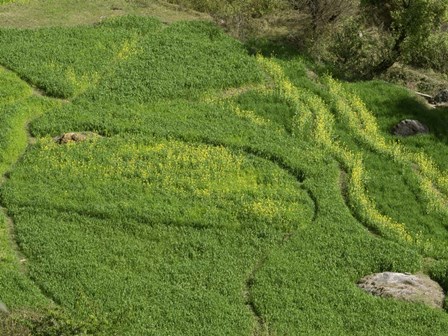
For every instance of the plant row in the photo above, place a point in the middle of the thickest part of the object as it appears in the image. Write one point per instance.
(433, 182)
(311, 107)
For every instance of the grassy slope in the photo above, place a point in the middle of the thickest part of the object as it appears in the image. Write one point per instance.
(56, 13)
(18, 105)
(203, 212)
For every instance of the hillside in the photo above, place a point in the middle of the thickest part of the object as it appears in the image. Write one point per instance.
(218, 192)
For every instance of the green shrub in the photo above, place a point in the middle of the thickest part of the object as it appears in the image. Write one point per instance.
(432, 53)
(353, 51)
(59, 323)
(238, 16)
(52, 322)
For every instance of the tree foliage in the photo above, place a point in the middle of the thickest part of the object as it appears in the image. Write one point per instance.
(380, 33)
(408, 22)
(323, 13)
(235, 15)
(358, 38)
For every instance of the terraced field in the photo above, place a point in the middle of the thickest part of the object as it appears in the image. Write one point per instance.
(224, 194)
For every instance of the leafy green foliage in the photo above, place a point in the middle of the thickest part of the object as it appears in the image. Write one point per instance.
(413, 18)
(352, 51)
(409, 23)
(237, 15)
(58, 323)
(432, 53)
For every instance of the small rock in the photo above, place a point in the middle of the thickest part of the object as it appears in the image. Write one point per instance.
(74, 137)
(441, 97)
(409, 127)
(404, 286)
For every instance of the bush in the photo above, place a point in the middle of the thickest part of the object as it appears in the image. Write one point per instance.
(58, 323)
(10, 326)
(353, 51)
(237, 16)
(324, 14)
(433, 53)
(49, 323)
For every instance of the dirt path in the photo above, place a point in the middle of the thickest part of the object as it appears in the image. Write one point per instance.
(259, 326)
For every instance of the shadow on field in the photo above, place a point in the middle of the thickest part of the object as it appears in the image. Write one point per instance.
(279, 47)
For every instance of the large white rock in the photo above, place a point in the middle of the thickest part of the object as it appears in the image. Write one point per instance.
(404, 286)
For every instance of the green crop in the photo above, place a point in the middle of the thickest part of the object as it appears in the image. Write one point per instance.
(225, 194)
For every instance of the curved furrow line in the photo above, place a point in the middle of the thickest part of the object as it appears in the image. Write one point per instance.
(17, 115)
(315, 122)
(34, 89)
(344, 186)
(21, 257)
(13, 242)
(260, 327)
(297, 173)
(432, 182)
(128, 49)
(21, 131)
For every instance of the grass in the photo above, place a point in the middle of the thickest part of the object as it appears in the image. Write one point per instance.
(57, 13)
(130, 57)
(227, 194)
(18, 106)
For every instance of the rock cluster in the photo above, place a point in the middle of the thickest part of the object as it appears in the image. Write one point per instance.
(441, 98)
(74, 137)
(404, 286)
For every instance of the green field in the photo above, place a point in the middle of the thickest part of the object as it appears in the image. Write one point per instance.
(225, 194)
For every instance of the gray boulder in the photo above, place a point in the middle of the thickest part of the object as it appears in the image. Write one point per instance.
(404, 286)
(409, 127)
